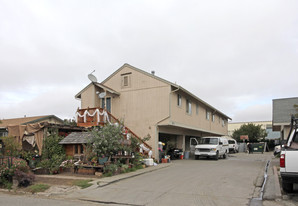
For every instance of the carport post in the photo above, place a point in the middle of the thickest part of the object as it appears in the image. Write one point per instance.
(183, 143)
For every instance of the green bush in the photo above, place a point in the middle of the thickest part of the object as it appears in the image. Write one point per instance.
(8, 169)
(53, 154)
(24, 179)
(107, 141)
(52, 147)
(11, 146)
(112, 168)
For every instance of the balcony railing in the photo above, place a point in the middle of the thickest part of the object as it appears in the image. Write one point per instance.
(91, 117)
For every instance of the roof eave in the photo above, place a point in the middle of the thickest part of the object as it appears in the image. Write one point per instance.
(202, 101)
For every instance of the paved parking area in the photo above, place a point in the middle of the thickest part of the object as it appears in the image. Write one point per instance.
(230, 181)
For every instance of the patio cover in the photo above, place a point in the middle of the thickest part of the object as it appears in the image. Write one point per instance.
(18, 131)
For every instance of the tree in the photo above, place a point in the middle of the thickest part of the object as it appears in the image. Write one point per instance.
(53, 154)
(11, 146)
(107, 140)
(71, 122)
(254, 132)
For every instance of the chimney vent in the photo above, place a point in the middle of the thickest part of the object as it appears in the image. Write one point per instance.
(153, 72)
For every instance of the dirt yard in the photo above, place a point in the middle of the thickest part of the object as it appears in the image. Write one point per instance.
(66, 179)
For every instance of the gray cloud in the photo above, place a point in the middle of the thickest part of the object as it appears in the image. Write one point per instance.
(235, 55)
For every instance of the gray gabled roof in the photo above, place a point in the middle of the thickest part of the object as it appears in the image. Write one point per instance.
(167, 82)
(27, 120)
(283, 109)
(104, 87)
(77, 138)
(141, 71)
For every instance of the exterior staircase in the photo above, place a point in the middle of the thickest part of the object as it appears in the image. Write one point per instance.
(92, 117)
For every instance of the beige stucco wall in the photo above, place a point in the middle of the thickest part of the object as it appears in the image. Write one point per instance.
(88, 97)
(141, 105)
(196, 120)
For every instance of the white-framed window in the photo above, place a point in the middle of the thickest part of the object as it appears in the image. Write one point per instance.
(188, 106)
(179, 100)
(207, 115)
(223, 122)
(213, 117)
(197, 109)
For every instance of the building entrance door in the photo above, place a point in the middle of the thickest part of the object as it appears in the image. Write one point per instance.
(108, 104)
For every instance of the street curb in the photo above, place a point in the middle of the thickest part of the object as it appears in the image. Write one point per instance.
(130, 175)
(277, 185)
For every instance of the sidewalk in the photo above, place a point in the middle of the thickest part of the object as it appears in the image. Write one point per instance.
(272, 189)
(109, 180)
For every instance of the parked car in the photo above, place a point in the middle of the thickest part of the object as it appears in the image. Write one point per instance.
(212, 147)
(233, 146)
(175, 153)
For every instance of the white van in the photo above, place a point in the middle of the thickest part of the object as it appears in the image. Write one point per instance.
(212, 147)
(233, 146)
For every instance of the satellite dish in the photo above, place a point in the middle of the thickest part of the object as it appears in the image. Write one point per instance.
(102, 95)
(91, 77)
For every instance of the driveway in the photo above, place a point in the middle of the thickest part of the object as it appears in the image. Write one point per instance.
(230, 181)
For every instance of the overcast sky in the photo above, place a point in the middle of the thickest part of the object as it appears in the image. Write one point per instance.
(235, 55)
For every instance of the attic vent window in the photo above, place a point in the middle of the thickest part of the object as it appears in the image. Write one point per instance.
(125, 81)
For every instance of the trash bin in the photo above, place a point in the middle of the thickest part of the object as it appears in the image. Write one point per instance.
(258, 147)
(186, 155)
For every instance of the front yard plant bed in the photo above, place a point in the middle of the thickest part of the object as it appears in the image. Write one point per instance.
(41, 171)
(86, 171)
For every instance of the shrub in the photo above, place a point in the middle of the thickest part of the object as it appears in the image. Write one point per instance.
(24, 179)
(108, 174)
(11, 146)
(9, 168)
(10, 165)
(107, 141)
(112, 168)
(45, 163)
(52, 147)
(53, 154)
(5, 182)
(139, 167)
